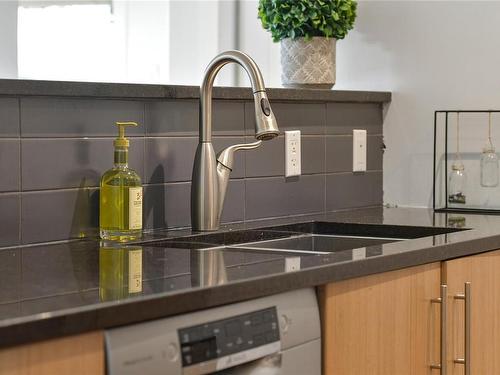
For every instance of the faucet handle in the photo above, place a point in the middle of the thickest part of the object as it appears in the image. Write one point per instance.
(226, 156)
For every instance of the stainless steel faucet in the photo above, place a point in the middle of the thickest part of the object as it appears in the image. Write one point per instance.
(210, 172)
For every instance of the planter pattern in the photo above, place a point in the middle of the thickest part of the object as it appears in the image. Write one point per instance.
(308, 63)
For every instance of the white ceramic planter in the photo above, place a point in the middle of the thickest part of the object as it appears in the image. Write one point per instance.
(308, 64)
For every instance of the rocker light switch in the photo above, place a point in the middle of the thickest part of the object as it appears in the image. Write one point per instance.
(358, 150)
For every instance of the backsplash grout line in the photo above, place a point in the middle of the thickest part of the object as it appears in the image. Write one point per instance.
(173, 135)
(20, 185)
(93, 187)
(324, 168)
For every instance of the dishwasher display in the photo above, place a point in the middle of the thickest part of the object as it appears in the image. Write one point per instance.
(219, 340)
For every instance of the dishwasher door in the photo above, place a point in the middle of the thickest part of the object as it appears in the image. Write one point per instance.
(278, 334)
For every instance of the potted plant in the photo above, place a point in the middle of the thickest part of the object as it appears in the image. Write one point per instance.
(308, 31)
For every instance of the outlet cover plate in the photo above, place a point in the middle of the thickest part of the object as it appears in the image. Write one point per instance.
(292, 153)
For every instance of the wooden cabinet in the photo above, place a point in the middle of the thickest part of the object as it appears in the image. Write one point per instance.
(483, 272)
(386, 323)
(82, 354)
(383, 324)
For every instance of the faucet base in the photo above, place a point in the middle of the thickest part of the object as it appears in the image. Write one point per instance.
(204, 190)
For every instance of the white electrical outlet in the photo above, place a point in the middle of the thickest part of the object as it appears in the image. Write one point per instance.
(358, 150)
(292, 153)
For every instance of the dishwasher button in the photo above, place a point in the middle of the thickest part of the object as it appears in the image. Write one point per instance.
(285, 323)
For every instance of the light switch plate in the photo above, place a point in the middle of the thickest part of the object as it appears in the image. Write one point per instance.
(358, 150)
(292, 153)
(292, 264)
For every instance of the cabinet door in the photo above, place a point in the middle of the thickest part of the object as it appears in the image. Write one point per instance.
(483, 272)
(82, 354)
(382, 324)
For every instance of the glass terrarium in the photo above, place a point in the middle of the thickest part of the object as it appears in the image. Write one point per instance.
(466, 169)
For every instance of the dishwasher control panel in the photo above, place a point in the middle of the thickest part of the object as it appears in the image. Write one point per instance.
(227, 342)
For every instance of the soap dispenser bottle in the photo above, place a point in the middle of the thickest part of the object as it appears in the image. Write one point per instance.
(120, 208)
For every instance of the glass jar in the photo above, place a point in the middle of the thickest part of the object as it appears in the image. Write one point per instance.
(457, 182)
(489, 167)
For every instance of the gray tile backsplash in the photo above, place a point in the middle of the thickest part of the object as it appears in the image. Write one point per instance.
(180, 118)
(84, 161)
(342, 118)
(54, 150)
(10, 268)
(53, 117)
(9, 117)
(349, 190)
(59, 214)
(171, 118)
(313, 154)
(276, 196)
(167, 205)
(9, 219)
(9, 165)
(228, 118)
(169, 159)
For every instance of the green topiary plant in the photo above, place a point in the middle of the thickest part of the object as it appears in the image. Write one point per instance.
(307, 18)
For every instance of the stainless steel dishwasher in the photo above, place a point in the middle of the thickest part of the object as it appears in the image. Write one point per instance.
(274, 335)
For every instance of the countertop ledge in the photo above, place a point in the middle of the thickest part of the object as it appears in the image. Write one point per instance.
(52, 290)
(15, 87)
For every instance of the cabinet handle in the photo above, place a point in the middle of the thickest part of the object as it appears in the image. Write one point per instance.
(467, 316)
(442, 351)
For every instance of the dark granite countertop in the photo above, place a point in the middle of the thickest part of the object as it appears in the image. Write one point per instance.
(61, 289)
(19, 87)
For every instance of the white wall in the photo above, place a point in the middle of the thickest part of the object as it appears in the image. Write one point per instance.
(144, 35)
(257, 42)
(431, 55)
(199, 30)
(8, 39)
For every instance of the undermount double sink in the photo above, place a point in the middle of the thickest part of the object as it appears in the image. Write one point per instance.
(313, 243)
(306, 238)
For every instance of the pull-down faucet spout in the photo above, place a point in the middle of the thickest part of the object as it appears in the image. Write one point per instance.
(210, 172)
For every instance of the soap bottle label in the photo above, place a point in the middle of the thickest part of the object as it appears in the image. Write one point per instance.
(135, 208)
(135, 271)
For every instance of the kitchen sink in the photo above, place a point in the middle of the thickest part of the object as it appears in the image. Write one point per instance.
(315, 237)
(314, 243)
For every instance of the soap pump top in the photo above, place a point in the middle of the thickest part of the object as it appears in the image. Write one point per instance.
(121, 143)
